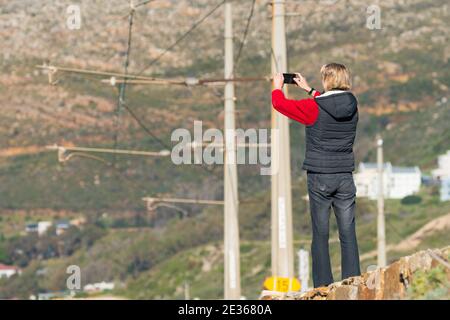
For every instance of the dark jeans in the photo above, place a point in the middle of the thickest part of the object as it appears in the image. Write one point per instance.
(335, 190)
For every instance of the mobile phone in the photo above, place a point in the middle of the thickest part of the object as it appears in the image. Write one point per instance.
(289, 78)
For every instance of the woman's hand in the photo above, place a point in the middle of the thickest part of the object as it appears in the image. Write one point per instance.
(302, 83)
(278, 81)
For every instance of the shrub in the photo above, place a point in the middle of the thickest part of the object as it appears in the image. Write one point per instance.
(432, 284)
(409, 200)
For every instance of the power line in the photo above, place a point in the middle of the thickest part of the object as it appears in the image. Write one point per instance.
(81, 151)
(274, 59)
(119, 173)
(144, 127)
(151, 134)
(143, 3)
(121, 97)
(396, 232)
(249, 19)
(182, 37)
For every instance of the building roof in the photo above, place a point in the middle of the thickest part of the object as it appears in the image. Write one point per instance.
(388, 166)
(373, 165)
(63, 224)
(5, 267)
(405, 169)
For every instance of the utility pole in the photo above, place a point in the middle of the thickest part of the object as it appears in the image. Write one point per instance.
(381, 230)
(303, 269)
(187, 293)
(282, 242)
(232, 278)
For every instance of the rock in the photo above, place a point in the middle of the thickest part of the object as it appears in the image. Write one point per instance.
(393, 287)
(389, 283)
(345, 292)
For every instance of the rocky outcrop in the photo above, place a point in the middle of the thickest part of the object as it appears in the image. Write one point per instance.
(389, 283)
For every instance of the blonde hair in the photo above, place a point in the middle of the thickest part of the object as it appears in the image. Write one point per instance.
(335, 76)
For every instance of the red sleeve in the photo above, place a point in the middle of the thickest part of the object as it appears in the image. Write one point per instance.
(304, 111)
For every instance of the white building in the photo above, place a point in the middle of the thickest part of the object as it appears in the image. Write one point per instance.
(99, 286)
(442, 174)
(31, 227)
(61, 227)
(443, 170)
(398, 182)
(445, 189)
(8, 271)
(43, 226)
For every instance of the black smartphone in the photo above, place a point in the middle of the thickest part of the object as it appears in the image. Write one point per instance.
(289, 78)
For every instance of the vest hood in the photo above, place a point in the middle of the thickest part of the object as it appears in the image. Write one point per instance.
(340, 105)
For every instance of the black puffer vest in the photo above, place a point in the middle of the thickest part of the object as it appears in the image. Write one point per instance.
(329, 141)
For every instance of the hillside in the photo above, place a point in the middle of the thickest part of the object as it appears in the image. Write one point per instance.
(401, 77)
(156, 264)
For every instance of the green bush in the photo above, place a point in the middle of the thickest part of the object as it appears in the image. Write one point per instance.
(432, 284)
(3, 255)
(409, 200)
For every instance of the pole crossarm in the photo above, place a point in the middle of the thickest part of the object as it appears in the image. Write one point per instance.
(153, 200)
(245, 79)
(53, 69)
(222, 145)
(186, 82)
(62, 150)
(153, 206)
(119, 78)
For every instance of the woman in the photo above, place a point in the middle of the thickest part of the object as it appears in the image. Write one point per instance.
(330, 119)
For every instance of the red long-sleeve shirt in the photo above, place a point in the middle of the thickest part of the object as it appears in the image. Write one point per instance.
(304, 111)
